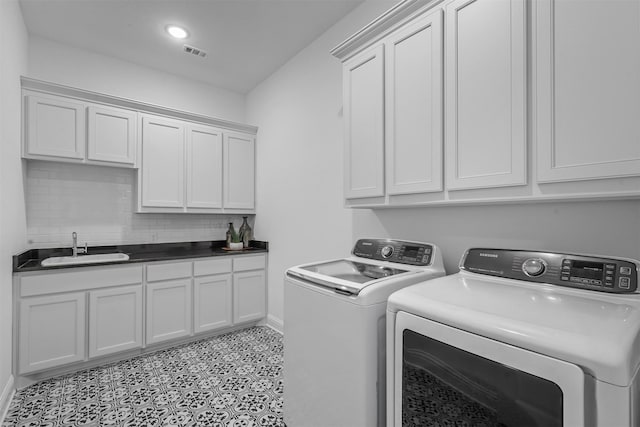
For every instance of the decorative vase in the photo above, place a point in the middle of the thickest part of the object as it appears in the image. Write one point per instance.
(232, 236)
(246, 234)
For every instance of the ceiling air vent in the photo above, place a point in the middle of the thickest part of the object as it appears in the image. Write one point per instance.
(194, 51)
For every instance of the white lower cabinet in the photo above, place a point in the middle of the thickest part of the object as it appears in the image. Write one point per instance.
(168, 310)
(115, 320)
(77, 315)
(249, 291)
(52, 331)
(212, 302)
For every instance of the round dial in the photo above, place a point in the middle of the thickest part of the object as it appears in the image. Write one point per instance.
(534, 267)
(386, 251)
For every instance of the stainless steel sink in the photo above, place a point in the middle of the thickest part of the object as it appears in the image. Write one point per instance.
(83, 259)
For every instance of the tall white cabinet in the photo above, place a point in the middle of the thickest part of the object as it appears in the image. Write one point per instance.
(162, 177)
(414, 132)
(587, 87)
(363, 80)
(485, 54)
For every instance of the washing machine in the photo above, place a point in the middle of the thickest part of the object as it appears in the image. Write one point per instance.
(334, 331)
(517, 338)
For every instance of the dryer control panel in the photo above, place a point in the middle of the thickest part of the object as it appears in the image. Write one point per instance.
(571, 270)
(402, 252)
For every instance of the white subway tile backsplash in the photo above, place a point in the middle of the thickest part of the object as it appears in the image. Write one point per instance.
(99, 204)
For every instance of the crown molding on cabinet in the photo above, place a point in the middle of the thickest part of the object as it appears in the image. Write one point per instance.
(58, 89)
(381, 26)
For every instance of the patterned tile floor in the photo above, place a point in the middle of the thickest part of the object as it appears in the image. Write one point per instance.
(230, 380)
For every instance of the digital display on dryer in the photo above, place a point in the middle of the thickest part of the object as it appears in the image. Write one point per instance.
(586, 272)
(411, 252)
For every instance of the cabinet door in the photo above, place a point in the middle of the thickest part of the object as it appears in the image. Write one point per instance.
(162, 162)
(363, 92)
(485, 132)
(249, 292)
(414, 133)
(111, 135)
(587, 89)
(239, 171)
(204, 167)
(115, 320)
(168, 310)
(51, 331)
(212, 302)
(55, 127)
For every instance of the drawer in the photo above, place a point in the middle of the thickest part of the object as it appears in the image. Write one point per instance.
(79, 279)
(211, 266)
(173, 270)
(256, 262)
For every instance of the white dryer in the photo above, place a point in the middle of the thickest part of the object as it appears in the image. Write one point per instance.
(334, 331)
(518, 338)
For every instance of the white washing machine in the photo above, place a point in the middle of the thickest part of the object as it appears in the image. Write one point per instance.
(518, 338)
(334, 331)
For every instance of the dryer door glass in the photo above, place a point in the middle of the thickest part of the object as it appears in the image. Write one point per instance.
(444, 385)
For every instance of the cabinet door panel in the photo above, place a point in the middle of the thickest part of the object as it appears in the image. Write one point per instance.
(111, 135)
(115, 320)
(239, 171)
(204, 167)
(162, 162)
(249, 296)
(363, 80)
(587, 89)
(212, 298)
(55, 127)
(51, 331)
(414, 107)
(486, 93)
(168, 310)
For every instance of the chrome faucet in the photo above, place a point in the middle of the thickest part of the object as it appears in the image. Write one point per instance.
(75, 249)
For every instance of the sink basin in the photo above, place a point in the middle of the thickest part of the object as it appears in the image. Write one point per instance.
(83, 259)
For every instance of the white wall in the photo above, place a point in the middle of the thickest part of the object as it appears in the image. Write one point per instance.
(13, 63)
(70, 66)
(605, 227)
(298, 111)
(300, 205)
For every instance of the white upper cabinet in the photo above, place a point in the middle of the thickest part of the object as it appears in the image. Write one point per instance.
(162, 168)
(587, 89)
(363, 96)
(485, 63)
(70, 130)
(194, 168)
(239, 171)
(204, 167)
(111, 134)
(55, 127)
(414, 93)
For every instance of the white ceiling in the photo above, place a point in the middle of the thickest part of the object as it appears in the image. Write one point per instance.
(245, 40)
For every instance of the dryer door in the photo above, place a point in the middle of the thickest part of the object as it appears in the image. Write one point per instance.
(446, 376)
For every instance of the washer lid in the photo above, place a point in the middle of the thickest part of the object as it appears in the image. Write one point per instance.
(599, 332)
(346, 275)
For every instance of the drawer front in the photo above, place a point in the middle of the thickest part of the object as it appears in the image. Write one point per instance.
(174, 270)
(256, 262)
(211, 266)
(79, 279)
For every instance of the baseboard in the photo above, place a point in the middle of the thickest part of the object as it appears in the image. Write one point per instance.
(275, 323)
(5, 398)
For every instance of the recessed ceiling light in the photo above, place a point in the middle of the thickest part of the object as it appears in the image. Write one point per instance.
(177, 32)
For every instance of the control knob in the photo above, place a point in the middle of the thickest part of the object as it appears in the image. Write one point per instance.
(386, 251)
(534, 267)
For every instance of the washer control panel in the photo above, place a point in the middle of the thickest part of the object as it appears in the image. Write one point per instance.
(399, 251)
(571, 270)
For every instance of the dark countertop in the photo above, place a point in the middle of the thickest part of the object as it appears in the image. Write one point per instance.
(30, 260)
